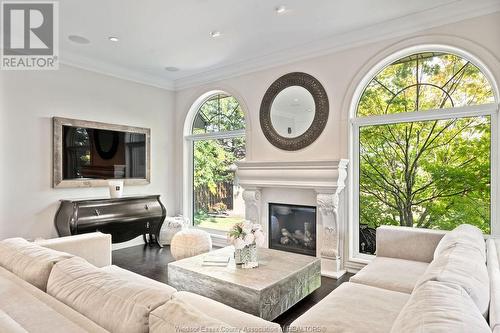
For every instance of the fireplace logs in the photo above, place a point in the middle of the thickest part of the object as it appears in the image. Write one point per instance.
(291, 229)
(299, 237)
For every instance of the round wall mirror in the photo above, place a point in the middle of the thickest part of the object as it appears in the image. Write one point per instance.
(294, 111)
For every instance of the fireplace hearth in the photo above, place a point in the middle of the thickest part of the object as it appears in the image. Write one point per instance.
(292, 228)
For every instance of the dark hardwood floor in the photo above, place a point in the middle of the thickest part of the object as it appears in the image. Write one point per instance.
(152, 262)
(149, 261)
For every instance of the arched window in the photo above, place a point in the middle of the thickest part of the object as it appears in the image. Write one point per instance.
(216, 141)
(422, 151)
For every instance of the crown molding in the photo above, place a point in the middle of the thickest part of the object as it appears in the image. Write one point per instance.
(455, 11)
(409, 24)
(106, 68)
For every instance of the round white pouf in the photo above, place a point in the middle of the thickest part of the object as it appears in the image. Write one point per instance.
(190, 242)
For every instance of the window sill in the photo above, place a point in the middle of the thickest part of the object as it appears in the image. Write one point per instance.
(219, 237)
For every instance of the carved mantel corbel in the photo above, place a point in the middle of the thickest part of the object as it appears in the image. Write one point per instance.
(252, 198)
(329, 224)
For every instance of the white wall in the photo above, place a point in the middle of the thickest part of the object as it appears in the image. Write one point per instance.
(340, 73)
(29, 100)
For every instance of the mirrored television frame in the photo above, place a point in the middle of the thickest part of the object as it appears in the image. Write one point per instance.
(59, 180)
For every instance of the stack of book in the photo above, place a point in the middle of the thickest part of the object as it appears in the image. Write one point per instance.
(216, 260)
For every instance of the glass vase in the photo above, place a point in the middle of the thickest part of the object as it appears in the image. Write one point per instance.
(247, 256)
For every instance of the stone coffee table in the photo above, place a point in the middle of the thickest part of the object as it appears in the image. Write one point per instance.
(281, 280)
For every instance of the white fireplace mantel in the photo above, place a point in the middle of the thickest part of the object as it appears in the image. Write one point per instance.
(325, 178)
(317, 175)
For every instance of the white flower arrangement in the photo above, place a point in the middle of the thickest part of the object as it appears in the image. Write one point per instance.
(245, 234)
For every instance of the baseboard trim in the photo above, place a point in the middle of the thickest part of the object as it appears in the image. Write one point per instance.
(354, 267)
(333, 275)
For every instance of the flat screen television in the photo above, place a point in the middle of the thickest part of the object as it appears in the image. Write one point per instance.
(90, 153)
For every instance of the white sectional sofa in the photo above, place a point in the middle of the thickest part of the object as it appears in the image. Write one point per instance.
(69, 285)
(420, 281)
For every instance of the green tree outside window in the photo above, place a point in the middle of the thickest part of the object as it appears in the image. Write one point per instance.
(431, 173)
(215, 194)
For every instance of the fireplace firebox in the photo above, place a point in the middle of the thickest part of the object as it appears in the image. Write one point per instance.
(292, 228)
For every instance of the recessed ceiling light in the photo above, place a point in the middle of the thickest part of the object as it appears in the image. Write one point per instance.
(172, 69)
(114, 38)
(78, 39)
(281, 9)
(215, 34)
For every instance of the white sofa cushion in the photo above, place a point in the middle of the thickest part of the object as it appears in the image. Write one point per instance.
(9, 325)
(30, 262)
(232, 317)
(391, 273)
(408, 243)
(465, 267)
(95, 247)
(438, 307)
(36, 311)
(116, 303)
(177, 316)
(466, 235)
(494, 273)
(353, 308)
(131, 276)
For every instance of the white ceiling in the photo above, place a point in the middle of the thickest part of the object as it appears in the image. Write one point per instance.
(158, 33)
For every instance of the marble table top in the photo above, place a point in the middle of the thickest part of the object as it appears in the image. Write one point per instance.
(274, 266)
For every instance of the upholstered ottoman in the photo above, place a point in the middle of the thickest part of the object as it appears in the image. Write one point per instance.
(190, 242)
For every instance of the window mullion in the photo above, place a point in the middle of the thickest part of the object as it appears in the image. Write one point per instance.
(215, 135)
(462, 112)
